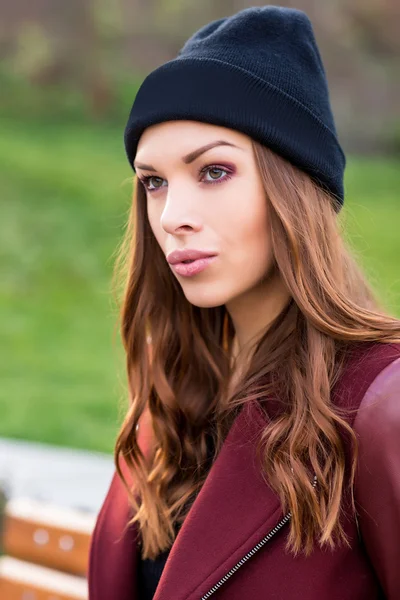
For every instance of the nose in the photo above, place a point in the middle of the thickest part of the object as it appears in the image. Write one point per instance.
(180, 214)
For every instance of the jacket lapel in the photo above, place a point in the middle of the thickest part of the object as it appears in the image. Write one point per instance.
(114, 549)
(234, 510)
(113, 553)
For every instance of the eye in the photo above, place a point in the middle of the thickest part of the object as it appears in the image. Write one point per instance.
(152, 183)
(146, 179)
(214, 171)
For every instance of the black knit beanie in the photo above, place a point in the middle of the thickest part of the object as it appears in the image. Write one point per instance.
(259, 72)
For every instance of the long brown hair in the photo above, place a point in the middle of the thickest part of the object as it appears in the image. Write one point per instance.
(186, 386)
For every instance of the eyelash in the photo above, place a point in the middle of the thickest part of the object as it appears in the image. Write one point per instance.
(146, 178)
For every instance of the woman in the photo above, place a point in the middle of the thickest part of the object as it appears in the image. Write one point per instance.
(259, 457)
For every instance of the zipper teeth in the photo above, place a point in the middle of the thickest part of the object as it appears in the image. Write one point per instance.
(260, 544)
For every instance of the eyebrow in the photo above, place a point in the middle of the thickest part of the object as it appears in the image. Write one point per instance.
(189, 158)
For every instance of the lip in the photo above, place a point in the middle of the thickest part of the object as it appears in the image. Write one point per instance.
(201, 260)
(190, 269)
(178, 256)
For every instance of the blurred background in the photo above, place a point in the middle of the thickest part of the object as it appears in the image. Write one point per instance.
(69, 72)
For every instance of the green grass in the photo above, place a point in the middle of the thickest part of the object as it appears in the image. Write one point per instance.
(64, 193)
(64, 198)
(371, 217)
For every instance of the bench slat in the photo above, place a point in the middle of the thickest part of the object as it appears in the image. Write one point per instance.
(19, 579)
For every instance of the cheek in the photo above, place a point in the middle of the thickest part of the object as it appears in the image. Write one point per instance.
(255, 251)
(248, 234)
(155, 224)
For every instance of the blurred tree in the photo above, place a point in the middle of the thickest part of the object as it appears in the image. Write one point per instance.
(73, 45)
(377, 25)
(90, 45)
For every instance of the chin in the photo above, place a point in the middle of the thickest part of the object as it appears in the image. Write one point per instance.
(206, 299)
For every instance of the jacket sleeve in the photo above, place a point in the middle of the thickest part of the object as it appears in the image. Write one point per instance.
(377, 484)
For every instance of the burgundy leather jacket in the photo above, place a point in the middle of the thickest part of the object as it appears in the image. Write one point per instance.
(232, 543)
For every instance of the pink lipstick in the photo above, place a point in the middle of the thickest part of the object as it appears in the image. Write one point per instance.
(189, 262)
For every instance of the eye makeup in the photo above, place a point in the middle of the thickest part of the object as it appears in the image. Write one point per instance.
(228, 170)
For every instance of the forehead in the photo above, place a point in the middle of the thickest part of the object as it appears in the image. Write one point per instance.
(184, 136)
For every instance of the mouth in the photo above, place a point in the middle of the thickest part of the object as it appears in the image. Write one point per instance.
(191, 267)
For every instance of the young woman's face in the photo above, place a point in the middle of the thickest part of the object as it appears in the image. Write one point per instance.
(212, 201)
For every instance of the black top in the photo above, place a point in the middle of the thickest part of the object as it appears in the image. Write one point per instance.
(149, 571)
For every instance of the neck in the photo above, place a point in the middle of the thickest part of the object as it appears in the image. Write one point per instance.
(253, 312)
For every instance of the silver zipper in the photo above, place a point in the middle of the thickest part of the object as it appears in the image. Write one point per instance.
(241, 562)
(260, 544)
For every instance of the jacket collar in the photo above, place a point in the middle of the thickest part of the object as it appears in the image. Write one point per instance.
(234, 510)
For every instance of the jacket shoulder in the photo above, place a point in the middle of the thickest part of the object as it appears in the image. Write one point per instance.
(377, 483)
(377, 423)
(364, 363)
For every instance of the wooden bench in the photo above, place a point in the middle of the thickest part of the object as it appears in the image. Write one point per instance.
(45, 551)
